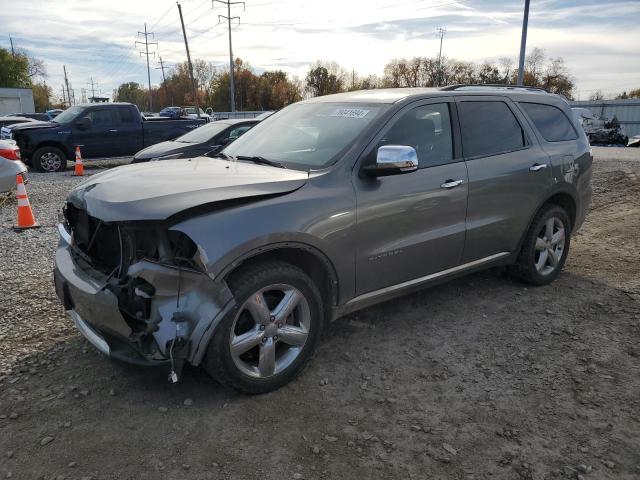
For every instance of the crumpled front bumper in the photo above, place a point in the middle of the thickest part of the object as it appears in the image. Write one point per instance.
(95, 308)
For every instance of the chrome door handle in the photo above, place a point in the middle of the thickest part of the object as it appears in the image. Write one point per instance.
(536, 167)
(451, 184)
(114, 131)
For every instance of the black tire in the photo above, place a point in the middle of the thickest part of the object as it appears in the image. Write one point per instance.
(525, 267)
(244, 283)
(40, 162)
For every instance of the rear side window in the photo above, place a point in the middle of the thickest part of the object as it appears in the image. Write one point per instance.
(126, 115)
(489, 128)
(551, 122)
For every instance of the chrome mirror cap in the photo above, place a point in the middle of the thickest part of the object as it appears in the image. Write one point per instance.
(393, 160)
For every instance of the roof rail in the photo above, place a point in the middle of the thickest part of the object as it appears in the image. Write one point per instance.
(495, 85)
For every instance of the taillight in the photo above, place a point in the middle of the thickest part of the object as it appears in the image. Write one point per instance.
(12, 153)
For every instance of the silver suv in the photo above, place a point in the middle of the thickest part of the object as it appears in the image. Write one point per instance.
(330, 205)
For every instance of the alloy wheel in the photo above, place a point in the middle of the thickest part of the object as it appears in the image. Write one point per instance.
(549, 246)
(50, 162)
(270, 330)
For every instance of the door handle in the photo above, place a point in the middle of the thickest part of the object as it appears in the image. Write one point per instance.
(536, 167)
(451, 184)
(114, 131)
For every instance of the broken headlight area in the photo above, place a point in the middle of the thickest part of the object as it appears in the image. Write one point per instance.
(164, 294)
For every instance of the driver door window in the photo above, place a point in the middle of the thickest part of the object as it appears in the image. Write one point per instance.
(428, 130)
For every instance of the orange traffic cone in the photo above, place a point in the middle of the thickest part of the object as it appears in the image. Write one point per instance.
(79, 166)
(25, 214)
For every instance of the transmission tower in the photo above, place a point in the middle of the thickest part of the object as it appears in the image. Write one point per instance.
(228, 17)
(146, 53)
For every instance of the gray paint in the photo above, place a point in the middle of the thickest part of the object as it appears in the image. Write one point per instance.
(379, 237)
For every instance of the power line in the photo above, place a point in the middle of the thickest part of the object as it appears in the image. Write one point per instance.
(146, 53)
(228, 17)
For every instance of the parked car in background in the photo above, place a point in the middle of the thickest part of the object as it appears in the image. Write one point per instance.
(191, 112)
(171, 112)
(209, 138)
(10, 165)
(331, 205)
(101, 129)
(12, 119)
(600, 131)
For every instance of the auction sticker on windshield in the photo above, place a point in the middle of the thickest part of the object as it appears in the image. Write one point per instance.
(349, 113)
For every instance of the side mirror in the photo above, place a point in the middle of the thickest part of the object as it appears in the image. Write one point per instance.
(84, 123)
(393, 160)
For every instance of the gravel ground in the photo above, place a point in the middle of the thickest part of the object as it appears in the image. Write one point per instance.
(481, 378)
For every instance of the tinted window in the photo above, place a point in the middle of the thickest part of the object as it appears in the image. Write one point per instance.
(428, 130)
(489, 128)
(551, 122)
(101, 118)
(126, 115)
(203, 134)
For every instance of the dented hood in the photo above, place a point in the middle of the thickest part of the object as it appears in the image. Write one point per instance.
(158, 190)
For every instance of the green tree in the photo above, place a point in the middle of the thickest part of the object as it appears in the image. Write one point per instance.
(14, 70)
(42, 96)
(132, 92)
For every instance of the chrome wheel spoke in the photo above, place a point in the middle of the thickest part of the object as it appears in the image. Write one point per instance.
(557, 237)
(541, 245)
(267, 361)
(548, 229)
(287, 305)
(553, 257)
(291, 335)
(258, 309)
(245, 342)
(542, 261)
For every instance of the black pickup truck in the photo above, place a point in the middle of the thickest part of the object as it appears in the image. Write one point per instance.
(101, 130)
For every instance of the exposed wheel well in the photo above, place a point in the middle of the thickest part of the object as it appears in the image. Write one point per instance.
(318, 268)
(567, 202)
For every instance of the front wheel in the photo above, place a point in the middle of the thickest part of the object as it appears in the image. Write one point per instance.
(545, 247)
(49, 159)
(272, 332)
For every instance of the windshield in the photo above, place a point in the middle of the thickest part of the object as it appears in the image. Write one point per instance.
(69, 115)
(306, 135)
(202, 134)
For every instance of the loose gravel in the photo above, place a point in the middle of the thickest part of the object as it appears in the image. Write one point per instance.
(480, 378)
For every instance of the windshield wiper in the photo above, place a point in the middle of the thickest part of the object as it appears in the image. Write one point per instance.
(260, 160)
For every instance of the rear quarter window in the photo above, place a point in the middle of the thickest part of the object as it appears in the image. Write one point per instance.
(551, 122)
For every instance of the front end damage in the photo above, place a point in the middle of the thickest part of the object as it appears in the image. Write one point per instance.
(138, 291)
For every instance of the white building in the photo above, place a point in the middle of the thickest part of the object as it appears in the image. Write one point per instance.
(16, 100)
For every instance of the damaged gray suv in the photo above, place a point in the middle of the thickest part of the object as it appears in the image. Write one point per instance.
(238, 262)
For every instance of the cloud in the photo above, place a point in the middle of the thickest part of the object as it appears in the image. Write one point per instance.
(93, 39)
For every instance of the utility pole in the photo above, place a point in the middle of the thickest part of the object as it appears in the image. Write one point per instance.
(523, 42)
(164, 79)
(64, 98)
(228, 17)
(93, 87)
(146, 53)
(66, 81)
(441, 32)
(193, 81)
(13, 53)
(83, 92)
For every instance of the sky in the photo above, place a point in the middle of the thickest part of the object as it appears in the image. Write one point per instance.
(95, 39)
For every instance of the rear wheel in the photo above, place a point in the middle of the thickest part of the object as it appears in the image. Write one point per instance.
(272, 332)
(545, 248)
(49, 159)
